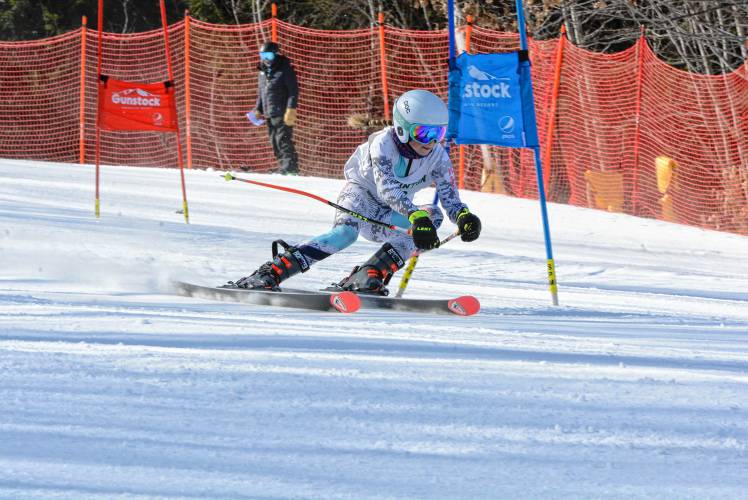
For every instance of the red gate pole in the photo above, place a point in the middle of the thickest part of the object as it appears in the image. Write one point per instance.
(179, 142)
(100, 36)
(554, 107)
(383, 67)
(187, 100)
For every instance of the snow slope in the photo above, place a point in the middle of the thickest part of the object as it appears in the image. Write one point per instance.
(112, 387)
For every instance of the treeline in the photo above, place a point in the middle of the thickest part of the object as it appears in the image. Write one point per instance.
(699, 36)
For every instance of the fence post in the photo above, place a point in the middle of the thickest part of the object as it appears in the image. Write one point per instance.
(383, 67)
(274, 22)
(637, 131)
(82, 112)
(554, 107)
(187, 101)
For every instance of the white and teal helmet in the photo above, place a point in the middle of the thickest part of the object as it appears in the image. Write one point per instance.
(420, 115)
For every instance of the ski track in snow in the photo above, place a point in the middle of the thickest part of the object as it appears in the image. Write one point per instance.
(113, 387)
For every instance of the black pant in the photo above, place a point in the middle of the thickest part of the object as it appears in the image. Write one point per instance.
(281, 137)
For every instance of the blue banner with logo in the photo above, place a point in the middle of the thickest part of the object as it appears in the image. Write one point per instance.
(491, 100)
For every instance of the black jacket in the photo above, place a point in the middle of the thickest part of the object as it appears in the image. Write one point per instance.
(277, 87)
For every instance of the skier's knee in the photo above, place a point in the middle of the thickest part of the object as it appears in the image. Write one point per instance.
(339, 237)
(343, 236)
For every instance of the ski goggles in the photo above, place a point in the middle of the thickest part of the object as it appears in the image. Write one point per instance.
(425, 134)
(267, 56)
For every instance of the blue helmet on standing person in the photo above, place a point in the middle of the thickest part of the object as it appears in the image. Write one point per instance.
(421, 116)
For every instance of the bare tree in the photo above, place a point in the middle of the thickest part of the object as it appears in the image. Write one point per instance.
(700, 36)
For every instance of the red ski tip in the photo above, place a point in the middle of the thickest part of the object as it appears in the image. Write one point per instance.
(467, 305)
(345, 302)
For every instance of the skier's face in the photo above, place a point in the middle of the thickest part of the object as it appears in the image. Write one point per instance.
(422, 149)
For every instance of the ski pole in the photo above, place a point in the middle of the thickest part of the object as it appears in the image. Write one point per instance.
(414, 256)
(230, 177)
(412, 265)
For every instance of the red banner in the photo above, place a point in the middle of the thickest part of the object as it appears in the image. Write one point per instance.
(136, 106)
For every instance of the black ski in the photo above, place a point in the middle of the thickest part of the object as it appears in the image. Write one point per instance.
(345, 302)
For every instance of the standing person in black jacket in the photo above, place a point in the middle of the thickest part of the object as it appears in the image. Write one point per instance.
(277, 97)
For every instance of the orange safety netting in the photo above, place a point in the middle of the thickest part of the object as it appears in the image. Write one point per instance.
(632, 134)
(39, 104)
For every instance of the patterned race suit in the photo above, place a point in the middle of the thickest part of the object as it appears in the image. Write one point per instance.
(381, 185)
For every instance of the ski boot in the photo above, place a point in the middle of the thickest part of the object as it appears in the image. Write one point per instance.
(269, 275)
(373, 275)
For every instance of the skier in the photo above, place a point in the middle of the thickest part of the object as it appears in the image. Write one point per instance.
(383, 174)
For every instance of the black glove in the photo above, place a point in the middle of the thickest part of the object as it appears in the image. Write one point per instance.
(423, 230)
(469, 225)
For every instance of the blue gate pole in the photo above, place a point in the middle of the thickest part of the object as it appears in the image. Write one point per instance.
(452, 55)
(451, 31)
(552, 284)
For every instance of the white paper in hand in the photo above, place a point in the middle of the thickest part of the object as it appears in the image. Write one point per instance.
(252, 117)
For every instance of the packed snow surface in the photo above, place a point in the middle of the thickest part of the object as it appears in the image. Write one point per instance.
(111, 386)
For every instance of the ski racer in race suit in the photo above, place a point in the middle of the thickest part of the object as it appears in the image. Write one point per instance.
(383, 175)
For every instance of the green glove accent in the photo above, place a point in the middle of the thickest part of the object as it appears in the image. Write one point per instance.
(469, 225)
(417, 215)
